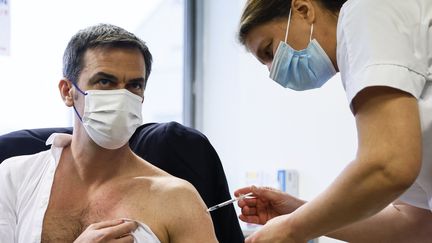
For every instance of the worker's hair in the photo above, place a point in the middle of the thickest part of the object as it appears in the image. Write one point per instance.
(101, 35)
(258, 12)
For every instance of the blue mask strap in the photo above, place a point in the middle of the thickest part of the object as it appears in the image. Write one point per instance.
(76, 86)
(82, 92)
(76, 112)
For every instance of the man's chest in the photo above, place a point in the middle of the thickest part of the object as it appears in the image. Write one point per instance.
(65, 221)
(62, 226)
(69, 214)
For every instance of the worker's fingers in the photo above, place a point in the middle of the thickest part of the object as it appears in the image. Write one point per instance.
(243, 191)
(249, 219)
(264, 193)
(247, 211)
(251, 202)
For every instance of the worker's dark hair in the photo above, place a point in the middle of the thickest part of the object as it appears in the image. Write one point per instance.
(101, 35)
(258, 12)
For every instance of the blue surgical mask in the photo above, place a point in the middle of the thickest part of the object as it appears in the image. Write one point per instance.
(309, 68)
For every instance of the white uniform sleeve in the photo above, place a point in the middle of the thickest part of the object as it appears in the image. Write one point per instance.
(380, 43)
(8, 189)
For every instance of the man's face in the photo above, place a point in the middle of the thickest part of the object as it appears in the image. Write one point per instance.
(111, 68)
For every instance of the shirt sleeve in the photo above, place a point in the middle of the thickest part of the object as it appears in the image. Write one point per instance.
(380, 44)
(7, 201)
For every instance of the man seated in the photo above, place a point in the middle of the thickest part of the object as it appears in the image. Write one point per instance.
(90, 186)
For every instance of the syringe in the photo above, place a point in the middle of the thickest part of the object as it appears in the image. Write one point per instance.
(228, 202)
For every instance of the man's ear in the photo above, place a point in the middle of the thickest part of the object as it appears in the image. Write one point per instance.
(65, 88)
(304, 9)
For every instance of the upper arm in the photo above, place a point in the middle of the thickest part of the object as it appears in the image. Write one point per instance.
(389, 131)
(415, 223)
(189, 220)
(397, 223)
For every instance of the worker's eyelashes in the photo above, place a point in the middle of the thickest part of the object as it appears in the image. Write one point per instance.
(268, 52)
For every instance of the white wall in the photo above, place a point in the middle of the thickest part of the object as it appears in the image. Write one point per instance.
(40, 31)
(256, 125)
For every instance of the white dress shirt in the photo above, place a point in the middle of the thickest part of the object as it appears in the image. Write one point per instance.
(25, 186)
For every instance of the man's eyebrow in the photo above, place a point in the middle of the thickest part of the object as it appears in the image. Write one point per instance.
(103, 75)
(99, 75)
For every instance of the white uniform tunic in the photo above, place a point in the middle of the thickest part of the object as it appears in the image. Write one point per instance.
(25, 188)
(389, 43)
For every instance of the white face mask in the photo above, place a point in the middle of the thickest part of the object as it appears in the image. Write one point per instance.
(111, 116)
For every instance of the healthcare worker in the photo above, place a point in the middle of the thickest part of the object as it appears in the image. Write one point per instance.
(383, 50)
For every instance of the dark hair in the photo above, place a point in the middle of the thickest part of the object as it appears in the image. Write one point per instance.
(258, 12)
(101, 35)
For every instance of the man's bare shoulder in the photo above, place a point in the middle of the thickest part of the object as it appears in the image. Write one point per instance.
(181, 210)
(163, 184)
(166, 185)
(170, 205)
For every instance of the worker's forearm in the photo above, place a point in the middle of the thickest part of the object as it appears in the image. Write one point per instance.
(361, 191)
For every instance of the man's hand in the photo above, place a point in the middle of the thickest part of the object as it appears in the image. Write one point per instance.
(115, 231)
(266, 204)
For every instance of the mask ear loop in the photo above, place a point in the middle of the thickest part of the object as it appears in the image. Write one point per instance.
(76, 86)
(288, 25)
(82, 92)
(76, 112)
(310, 38)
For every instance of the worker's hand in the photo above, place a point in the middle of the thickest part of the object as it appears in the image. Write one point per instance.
(115, 231)
(276, 230)
(266, 204)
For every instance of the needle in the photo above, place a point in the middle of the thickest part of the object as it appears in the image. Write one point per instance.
(228, 202)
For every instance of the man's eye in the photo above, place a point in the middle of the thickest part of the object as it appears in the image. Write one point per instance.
(105, 81)
(136, 85)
